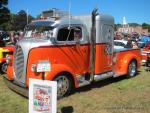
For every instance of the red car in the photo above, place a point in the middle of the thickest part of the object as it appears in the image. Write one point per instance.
(145, 52)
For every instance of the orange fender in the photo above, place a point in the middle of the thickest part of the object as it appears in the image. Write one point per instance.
(55, 70)
(59, 68)
(123, 60)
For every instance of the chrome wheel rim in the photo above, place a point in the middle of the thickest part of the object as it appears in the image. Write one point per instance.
(132, 69)
(62, 85)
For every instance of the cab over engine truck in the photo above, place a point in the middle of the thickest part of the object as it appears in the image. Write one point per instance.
(74, 52)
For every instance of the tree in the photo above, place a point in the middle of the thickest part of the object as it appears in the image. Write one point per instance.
(116, 26)
(20, 20)
(134, 24)
(146, 26)
(4, 13)
(38, 16)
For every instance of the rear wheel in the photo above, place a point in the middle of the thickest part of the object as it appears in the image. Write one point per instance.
(64, 85)
(132, 69)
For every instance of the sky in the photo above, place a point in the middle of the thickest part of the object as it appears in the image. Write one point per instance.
(135, 11)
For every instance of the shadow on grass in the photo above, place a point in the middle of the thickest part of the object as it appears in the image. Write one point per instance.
(102, 83)
(68, 109)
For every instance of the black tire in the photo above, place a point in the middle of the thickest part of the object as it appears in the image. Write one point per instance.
(4, 67)
(64, 85)
(132, 69)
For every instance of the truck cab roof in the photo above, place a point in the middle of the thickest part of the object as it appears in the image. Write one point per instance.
(81, 19)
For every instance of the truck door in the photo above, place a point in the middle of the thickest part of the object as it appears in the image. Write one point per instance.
(74, 52)
(104, 49)
(107, 33)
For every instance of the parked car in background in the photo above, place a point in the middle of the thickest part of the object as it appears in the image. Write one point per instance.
(119, 44)
(148, 61)
(141, 44)
(2, 43)
(144, 40)
(4, 38)
(4, 52)
(145, 52)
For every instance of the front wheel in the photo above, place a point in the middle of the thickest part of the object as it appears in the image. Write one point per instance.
(4, 67)
(132, 69)
(64, 85)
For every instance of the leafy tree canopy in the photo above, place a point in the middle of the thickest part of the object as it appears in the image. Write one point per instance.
(20, 20)
(4, 13)
(146, 26)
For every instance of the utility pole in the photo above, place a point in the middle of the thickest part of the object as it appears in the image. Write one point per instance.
(69, 12)
(27, 17)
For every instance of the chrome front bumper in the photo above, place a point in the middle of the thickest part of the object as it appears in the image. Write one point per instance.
(21, 90)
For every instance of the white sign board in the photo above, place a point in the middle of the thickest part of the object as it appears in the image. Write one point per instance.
(43, 66)
(42, 96)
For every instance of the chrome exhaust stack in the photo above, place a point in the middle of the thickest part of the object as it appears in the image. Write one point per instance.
(92, 45)
(82, 78)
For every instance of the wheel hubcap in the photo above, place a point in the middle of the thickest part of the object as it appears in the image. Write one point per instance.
(132, 69)
(62, 85)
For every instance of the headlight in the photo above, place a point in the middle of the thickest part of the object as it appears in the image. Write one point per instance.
(41, 66)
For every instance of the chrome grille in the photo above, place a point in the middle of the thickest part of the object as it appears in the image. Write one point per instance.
(18, 62)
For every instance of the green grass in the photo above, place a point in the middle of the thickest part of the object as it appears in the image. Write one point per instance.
(10, 102)
(118, 95)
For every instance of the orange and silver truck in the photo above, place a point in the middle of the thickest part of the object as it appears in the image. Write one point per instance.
(74, 52)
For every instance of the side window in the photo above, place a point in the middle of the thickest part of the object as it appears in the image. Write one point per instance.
(107, 33)
(69, 34)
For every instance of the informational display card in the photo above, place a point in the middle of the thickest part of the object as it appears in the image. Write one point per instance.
(42, 96)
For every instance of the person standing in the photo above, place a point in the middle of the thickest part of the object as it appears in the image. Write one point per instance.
(129, 43)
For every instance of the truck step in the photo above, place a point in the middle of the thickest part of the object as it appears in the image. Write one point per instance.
(82, 81)
(103, 76)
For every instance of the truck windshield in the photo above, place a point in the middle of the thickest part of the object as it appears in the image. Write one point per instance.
(39, 30)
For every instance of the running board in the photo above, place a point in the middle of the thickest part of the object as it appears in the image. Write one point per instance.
(103, 76)
(82, 81)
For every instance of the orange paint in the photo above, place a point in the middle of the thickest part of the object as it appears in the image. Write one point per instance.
(74, 59)
(66, 58)
(123, 59)
(103, 62)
